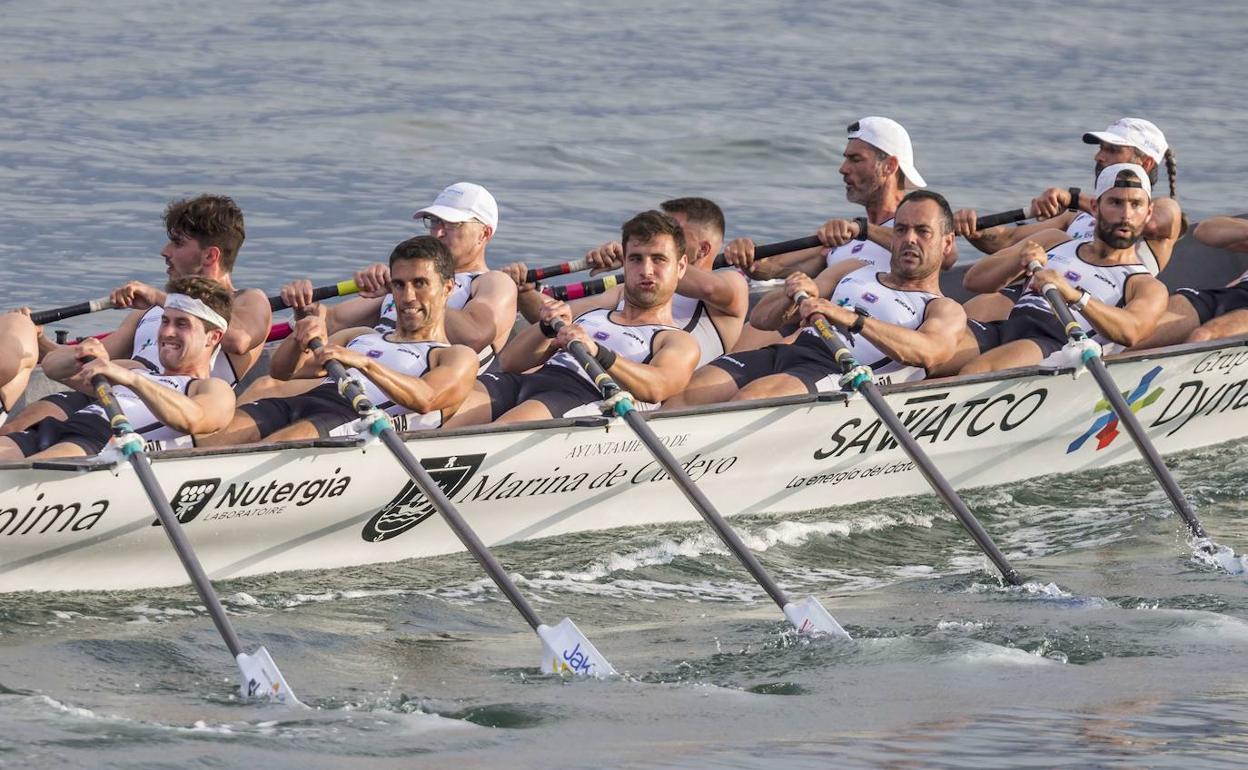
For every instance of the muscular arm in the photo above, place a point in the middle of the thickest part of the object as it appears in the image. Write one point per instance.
(62, 363)
(491, 310)
(772, 311)
(808, 261)
(676, 355)
(724, 291)
(206, 408)
(250, 319)
(1146, 302)
(298, 363)
(1223, 233)
(995, 271)
(531, 348)
(354, 312)
(929, 346)
(1016, 235)
(452, 372)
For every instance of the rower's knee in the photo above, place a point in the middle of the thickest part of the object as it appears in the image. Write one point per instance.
(1202, 334)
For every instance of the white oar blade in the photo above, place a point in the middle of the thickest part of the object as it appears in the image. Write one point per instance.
(261, 679)
(810, 617)
(565, 650)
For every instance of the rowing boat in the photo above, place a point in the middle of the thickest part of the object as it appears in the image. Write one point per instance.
(83, 524)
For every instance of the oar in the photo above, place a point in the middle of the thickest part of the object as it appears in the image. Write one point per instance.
(42, 317)
(763, 251)
(861, 381)
(588, 288)
(340, 289)
(808, 615)
(260, 676)
(550, 271)
(564, 648)
(1092, 360)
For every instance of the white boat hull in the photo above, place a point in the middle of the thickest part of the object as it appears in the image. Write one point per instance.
(326, 504)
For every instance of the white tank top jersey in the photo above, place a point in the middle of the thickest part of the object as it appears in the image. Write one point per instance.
(409, 358)
(459, 296)
(692, 315)
(1106, 283)
(144, 348)
(907, 309)
(867, 251)
(140, 414)
(1083, 227)
(636, 343)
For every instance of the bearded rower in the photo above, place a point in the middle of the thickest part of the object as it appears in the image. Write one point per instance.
(1107, 287)
(710, 304)
(1127, 140)
(638, 343)
(899, 322)
(411, 372)
(166, 402)
(205, 235)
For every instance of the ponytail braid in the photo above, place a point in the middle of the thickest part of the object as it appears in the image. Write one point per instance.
(1172, 172)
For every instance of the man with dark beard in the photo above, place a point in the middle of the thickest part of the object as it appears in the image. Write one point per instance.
(1102, 279)
(898, 322)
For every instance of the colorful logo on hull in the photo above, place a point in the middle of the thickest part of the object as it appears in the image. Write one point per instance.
(1105, 427)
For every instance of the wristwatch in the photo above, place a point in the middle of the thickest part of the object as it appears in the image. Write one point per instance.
(863, 225)
(1079, 304)
(1074, 199)
(859, 321)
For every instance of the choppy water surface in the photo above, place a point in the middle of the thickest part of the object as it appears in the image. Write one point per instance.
(331, 122)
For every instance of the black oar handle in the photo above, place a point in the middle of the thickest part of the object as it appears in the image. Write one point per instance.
(765, 250)
(1074, 330)
(550, 271)
(340, 289)
(988, 221)
(69, 311)
(588, 288)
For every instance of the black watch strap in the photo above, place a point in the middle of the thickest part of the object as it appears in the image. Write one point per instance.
(860, 321)
(863, 226)
(1074, 198)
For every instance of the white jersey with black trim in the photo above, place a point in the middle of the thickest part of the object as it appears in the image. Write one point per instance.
(692, 315)
(140, 414)
(408, 358)
(459, 296)
(1083, 227)
(636, 343)
(867, 251)
(907, 309)
(145, 348)
(1106, 283)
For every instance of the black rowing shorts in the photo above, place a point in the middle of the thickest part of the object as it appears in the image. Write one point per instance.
(1015, 290)
(806, 358)
(322, 406)
(558, 388)
(69, 401)
(89, 431)
(1024, 323)
(1211, 303)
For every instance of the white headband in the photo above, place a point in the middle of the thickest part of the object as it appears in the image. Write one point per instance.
(197, 308)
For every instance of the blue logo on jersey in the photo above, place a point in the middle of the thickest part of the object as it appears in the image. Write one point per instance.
(601, 335)
(857, 247)
(869, 297)
(1071, 275)
(373, 354)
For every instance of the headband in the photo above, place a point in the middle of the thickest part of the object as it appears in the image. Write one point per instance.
(197, 308)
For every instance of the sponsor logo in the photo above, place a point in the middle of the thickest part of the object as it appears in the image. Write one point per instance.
(1202, 397)
(857, 247)
(39, 519)
(601, 335)
(1105, 427)
(191, 498)
(1071, 275)
(411, 506)
(575, 661)
(374, 353)
(869, 297)
(245, 499)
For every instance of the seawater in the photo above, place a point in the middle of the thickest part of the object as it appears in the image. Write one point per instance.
(331, 123)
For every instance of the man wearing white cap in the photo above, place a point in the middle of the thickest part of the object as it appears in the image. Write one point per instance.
(1108, 289)
(165, 404)
(1127, 140)
(481, 309)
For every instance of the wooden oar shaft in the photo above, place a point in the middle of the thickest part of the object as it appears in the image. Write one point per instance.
(940, 485)
(1126, 417)
(609, 388)
(168, 520)
(359, 401)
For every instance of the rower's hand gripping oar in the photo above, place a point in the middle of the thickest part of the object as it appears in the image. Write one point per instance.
(1091, 358)
(260, 675)
(564, 648)
(859, 378)
(807, 616)
(340, 289)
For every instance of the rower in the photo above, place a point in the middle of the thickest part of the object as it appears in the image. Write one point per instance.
(19, 352)
(1198, 315)
(638, 343)
(710, 304)
(205, 235)
(411, 372)
(1108, 288)
(482, 308)
(878, 167)
(899, 323)
(166, 401)
(1127, 140)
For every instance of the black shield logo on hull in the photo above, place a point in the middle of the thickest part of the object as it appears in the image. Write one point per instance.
(191, 498)
(410, 506)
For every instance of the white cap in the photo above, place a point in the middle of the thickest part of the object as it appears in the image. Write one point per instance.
(1108, 179)
(888, 136)
(1133, 132)
(461, 202)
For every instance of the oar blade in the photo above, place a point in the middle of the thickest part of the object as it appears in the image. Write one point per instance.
(565, 650)
(809, 616)
(262, 679)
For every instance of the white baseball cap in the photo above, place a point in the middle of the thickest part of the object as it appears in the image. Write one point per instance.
(888, 136)
(461, 202)
(1108, 179)
(1132, 132)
